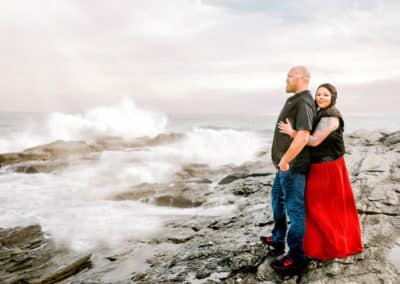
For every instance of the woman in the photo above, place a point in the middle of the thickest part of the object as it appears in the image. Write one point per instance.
(332, 225)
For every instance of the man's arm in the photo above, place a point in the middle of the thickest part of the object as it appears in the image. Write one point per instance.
(295, 148)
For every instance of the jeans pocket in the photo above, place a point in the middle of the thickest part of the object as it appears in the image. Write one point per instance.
(287, 177)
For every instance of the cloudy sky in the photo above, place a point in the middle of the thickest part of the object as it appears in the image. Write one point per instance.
(196, 56)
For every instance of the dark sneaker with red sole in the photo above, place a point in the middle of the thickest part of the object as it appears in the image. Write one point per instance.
(267, 240)
(275, 249)
(287, 266)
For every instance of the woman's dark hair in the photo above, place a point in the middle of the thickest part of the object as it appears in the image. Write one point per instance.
(332, 89)
(331, 110)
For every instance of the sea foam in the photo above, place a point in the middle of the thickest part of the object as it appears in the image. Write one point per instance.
(123, 119)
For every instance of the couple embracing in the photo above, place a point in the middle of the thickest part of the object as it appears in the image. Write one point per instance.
(312, 188)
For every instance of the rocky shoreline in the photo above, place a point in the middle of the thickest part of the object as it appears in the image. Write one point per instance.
(211, 249)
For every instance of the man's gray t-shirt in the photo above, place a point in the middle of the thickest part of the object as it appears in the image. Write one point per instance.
(301, 112)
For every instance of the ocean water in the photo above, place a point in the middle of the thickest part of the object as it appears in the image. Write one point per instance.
(74, 205)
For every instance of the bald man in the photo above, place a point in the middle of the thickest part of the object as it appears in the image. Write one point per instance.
(291, 157)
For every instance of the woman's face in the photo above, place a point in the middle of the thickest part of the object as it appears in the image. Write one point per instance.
(323, 97)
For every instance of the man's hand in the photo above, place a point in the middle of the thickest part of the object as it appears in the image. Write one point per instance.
(283, 166)
(295, 148)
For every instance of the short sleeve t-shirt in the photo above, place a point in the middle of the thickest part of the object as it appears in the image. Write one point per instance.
(301, 112)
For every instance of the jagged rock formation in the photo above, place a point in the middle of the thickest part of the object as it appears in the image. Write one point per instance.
(27, 256)
(225, 249)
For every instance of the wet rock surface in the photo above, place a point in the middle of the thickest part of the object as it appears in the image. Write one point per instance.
(49, 157)
(225, 248)
(27, 256)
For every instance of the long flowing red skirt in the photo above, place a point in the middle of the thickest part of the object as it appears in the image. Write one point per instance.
(332, 225)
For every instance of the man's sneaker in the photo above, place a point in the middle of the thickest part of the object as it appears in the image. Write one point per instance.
(267, 240)
(288, 266)
(275, 249)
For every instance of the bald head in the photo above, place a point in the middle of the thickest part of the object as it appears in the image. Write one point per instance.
(298, 79)
(301, 71)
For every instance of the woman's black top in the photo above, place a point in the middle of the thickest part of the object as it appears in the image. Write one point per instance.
(332, 147)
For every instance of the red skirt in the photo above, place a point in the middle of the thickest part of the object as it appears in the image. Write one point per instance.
(332, 225)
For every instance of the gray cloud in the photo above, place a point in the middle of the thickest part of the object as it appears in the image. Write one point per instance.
(69, 55)
(377, 97)
(297, 11)
(248, 6)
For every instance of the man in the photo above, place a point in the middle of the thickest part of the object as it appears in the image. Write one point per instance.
(291, 157)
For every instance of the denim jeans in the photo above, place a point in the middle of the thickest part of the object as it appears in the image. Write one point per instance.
(288, 199)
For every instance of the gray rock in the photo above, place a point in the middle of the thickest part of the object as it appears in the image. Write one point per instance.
(198, 180)
(177, 201)
(391, 198)
(334, 269)
(245, 262)
(229, 179)
(265, 271)
(138, 192)
(223, 223)
(203, 273)
(376, 195)
(179, 195)
(246, 187)
(181, 238)
(62, 150)
(377, 162)
(391, 139)
(26, 256)
(225, 247)
(39, 167)
(368, 137)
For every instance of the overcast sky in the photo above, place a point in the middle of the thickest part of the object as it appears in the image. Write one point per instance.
(196, 56)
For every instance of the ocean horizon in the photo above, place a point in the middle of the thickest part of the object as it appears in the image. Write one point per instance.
(35, 128)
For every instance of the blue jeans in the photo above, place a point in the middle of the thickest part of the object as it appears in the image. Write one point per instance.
(288, 199)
